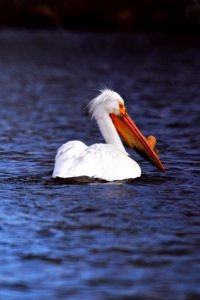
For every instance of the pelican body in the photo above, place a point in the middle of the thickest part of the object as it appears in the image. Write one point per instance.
(109, 161)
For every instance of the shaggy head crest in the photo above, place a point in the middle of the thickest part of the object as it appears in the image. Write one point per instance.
(106, 102)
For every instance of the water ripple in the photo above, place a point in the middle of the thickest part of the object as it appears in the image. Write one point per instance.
(83, 238)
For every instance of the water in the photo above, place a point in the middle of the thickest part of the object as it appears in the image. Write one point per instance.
(98, 241)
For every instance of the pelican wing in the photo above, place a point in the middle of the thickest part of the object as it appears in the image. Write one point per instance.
(100, 161)
(66, 155)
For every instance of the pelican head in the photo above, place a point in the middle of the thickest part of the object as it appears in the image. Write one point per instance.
(109, 107)
(106, 102)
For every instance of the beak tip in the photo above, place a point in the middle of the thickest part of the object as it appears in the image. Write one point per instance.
(163, 169)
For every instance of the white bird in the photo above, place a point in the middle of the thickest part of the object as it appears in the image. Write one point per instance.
(108, 161)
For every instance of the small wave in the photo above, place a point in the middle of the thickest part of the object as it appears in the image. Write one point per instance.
(25, 178)
(48, 180)
(30, 256)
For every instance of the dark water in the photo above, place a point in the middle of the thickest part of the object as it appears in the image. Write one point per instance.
(98, 241)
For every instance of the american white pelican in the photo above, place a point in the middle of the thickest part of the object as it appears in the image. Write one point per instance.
(108, 161)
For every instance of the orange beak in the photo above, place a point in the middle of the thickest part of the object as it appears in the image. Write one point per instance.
(145, 147)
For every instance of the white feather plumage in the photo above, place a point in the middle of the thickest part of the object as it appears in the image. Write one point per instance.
(108, 161)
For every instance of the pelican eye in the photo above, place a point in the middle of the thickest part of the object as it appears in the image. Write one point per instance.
(122, 108)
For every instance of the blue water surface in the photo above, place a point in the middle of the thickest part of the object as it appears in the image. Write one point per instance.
(137, 240)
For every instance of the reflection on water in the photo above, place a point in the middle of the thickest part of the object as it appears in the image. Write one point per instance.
(137, 240)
